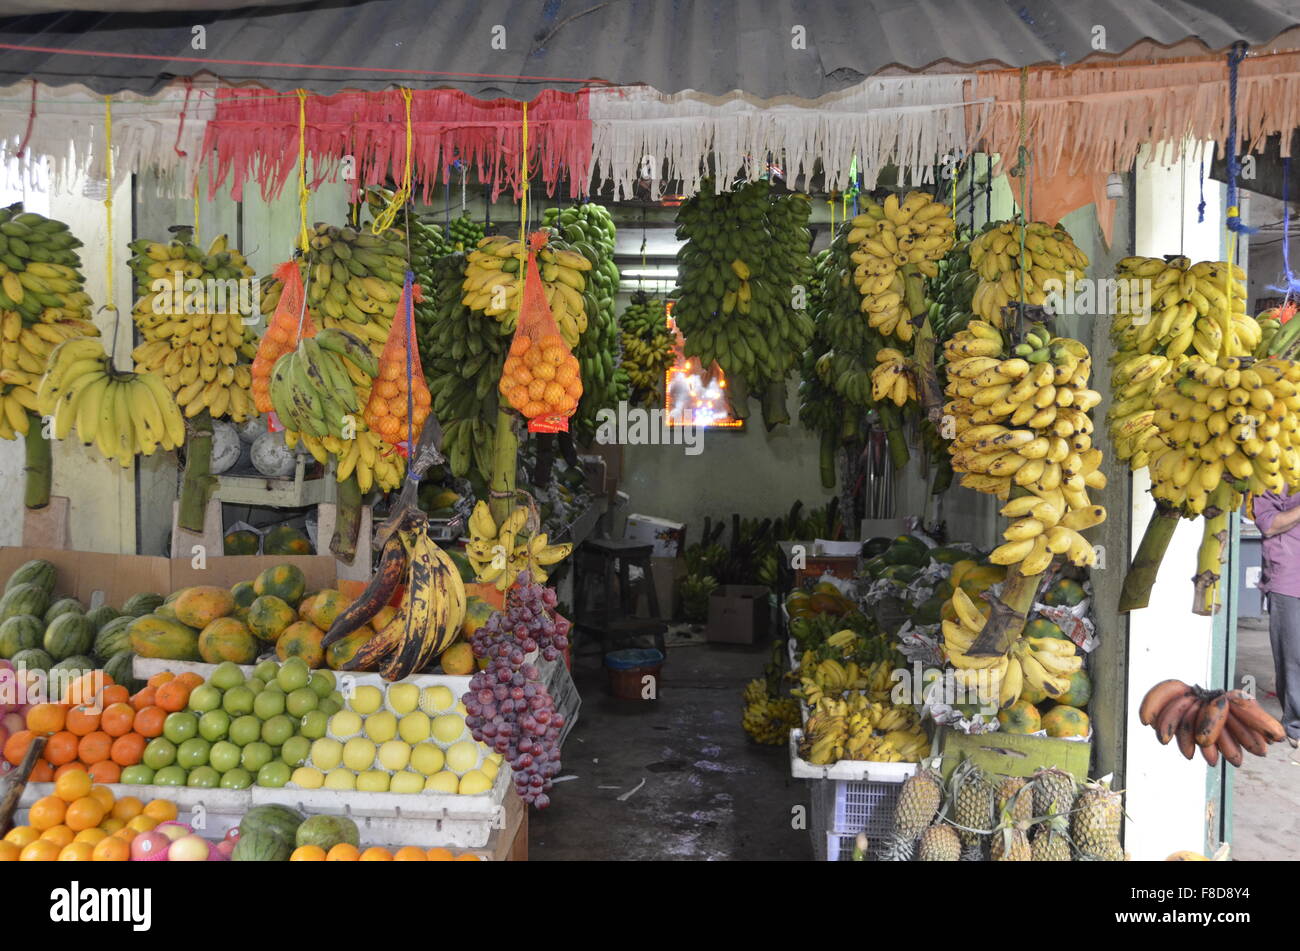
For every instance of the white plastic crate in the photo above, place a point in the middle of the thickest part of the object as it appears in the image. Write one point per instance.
(396, 819)
(146, 667)
(846, 798)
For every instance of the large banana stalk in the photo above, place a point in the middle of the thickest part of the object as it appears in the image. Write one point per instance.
(1209, 559)
(891, 419)
(505, 452)
(198, 481)
(39, 465)
(1010, 608)
(1146, 561)
(347, 524)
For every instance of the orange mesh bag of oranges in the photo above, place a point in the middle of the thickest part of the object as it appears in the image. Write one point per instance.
(540, 378)
(399, 393)
(282, 333)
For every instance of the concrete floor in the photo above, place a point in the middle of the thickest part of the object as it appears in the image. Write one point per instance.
(695, 786)
(1266, 791)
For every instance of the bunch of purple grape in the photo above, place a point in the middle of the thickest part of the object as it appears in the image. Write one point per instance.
(527, 621)
(508, 707)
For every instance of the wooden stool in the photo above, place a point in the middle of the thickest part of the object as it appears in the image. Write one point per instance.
(594, 569)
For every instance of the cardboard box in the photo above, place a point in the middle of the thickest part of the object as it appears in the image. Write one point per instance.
(668, 538)
(739, 614)
(114, 578)
(1014, 754)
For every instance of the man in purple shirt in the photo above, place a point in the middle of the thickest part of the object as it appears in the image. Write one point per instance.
(1278, 520)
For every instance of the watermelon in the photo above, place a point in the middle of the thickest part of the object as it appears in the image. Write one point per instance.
(25, 598)
(138, 605)
(121, 668)
(327, 832)
(114, 637)
(63, 606)
(69, 634)
(102, 615)
(77, 662)
(20, 633)
(33, 659)
(37, 571)
(279, 822)
(261, 847)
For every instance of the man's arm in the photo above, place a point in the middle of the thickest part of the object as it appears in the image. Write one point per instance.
(1281, 522)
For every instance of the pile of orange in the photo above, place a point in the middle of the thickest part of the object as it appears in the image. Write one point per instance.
(345, 852)
(542, 378)
(386, 408)
(99, 727)
(82, 822)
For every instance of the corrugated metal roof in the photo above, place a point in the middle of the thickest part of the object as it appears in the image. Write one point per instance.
(764, 47)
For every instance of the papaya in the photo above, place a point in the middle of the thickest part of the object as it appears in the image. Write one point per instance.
(244, 595)
(345, 648)
(947, 556)
(928, 611)
(323, 607)
(199, 606)
(1042, 627)
(1079, 692)
(1065, 593)
(982, 578)
(959, 571)
(301, 639)
(1066, 721)
(156, 636)
(242, 542)
(906, 550)
(226, 638)
(286, 540)
(268, 617)
(477, 612)
(875, 546)
(1021, 717)
(286, 582)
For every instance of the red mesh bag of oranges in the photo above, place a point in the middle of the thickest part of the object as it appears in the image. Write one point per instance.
(399, 392)
(540, 378)
(281, 333)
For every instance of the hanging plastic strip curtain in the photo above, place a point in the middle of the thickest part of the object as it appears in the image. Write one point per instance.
(909, 121)
(64, 126)
(1095, 119)
(254, 137)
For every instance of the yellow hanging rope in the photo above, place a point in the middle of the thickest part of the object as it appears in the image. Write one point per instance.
(304, 239)
(831, 203)
(384, 220)
(108, 203)
(196, 211)
(523, 193)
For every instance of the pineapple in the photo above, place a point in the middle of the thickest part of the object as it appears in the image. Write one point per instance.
(918, 801)
(939, 843)
(1014, 799)
(1050, 846)
(1053, 787)
(972, 809)
(1010, 843)
(1095, 828)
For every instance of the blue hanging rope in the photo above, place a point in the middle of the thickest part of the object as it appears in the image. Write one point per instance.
(1200, 209)
(1290, 286)
(1235, 56)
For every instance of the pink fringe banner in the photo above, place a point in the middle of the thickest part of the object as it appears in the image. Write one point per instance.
(254, 136)
(1095, 119)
